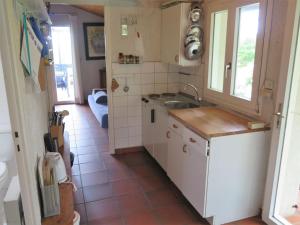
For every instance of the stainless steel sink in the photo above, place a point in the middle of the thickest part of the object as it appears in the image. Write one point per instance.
(180, 104)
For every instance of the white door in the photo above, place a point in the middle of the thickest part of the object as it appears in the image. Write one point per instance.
(281, 204)
(63, 64)
(195, 175)
(175, 158)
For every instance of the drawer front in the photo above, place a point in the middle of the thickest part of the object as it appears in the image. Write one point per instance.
(175, 125)
(194, 140)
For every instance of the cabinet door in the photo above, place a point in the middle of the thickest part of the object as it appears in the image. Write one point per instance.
(194, 177)
(161, 141)
(147, 127)
(170, 34)
(175, 159)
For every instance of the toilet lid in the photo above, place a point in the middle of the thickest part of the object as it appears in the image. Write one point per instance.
(3, 170)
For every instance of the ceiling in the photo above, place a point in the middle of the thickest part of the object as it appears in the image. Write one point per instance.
(97, 10)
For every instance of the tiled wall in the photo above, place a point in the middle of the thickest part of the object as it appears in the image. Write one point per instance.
(143, 79)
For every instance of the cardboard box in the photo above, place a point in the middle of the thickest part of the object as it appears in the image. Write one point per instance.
(57, 132)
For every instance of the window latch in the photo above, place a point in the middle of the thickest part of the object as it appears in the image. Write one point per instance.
(227, 67)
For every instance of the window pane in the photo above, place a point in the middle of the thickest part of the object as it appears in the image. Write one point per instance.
(218, 50)
(245, 50)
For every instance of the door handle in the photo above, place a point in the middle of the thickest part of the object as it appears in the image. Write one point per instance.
(279, 115)
(152, 116)
(184, 148)
(168, 134)
(227, 67)
(192, 140)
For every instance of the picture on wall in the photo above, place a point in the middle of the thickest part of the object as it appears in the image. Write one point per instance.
(94, 40)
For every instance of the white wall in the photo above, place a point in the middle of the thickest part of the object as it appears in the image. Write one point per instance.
(152, 76)
(4, 118)
(89, 68)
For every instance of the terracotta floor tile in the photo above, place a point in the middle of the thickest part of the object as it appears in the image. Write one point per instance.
(295, 219)
(87, 150)
(77, 181)
(132, 203)
(82, 212)
(107, 221)
(248, 221)
(103, 210)
(162, 197)
(88, 158)
(75, 170)
(144, 217)
(125, 186)
(92, 167)
(97, 192)
(85, 143)
(153, 183)
(115, 175)
(78, 196)
(91, 179)
(146, 171)
(175, 215)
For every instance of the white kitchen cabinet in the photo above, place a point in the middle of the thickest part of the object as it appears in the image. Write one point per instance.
(194, 171)
(160, 138)
(175, 22)
(148, 126)
(175, 158)
(223, 177)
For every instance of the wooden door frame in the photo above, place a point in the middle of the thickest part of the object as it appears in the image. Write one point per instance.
(284, 84)
(11, 69)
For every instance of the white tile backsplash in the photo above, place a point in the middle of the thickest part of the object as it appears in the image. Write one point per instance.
(143, 79)
(161, 78)
(161, 67)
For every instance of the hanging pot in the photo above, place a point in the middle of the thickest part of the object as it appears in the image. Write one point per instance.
(195, 30)
(191, 39)
(194, 50)
(195, 15)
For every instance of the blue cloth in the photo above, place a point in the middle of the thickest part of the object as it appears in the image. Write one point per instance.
(100, 97)
(40, 36)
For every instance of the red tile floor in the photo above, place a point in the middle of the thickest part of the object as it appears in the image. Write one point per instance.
(128, 189)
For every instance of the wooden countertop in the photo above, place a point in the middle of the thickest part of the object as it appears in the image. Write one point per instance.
(66, 192)
(211, 122)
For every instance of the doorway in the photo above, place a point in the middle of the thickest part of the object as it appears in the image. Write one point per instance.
(282, 201)
(63, 64)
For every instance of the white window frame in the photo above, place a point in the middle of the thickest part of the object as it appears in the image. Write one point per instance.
(226, 98)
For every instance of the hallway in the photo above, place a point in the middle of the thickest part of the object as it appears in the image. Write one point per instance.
(128, 189)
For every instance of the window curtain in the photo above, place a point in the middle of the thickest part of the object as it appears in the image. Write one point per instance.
(79, 98)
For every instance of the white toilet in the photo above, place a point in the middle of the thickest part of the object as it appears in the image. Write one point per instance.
(6, 155)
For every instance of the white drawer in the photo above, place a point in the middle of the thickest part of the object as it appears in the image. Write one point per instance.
(193, 139)
(175, 125)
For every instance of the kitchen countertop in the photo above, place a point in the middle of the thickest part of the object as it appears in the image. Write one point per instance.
(211, 122)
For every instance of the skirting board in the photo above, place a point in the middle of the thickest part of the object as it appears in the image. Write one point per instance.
(129, 150)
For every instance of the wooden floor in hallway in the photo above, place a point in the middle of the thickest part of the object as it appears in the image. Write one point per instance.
(127, 189)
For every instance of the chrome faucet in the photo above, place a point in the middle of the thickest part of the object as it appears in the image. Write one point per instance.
(194, 88)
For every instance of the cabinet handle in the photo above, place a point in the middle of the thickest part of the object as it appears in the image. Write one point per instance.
(175, 126)
(184, 148)
(176, 58)
(192, 140)
(168, 134)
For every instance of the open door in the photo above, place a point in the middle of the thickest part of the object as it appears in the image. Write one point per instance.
(282, 202)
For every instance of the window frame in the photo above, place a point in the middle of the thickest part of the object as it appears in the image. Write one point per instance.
(226, 98)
